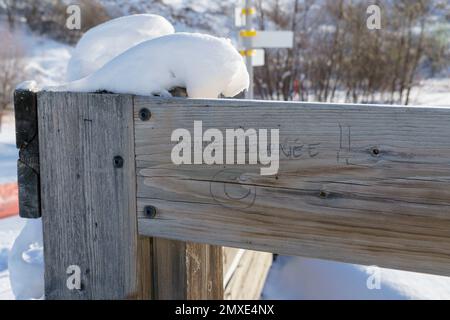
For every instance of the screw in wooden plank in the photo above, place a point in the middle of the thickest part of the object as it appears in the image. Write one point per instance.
(375, 152)
(118, 162)
(145, 114)
(150, 211)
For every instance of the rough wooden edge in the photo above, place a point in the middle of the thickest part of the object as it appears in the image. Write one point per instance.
(27, 141)
(247, 281)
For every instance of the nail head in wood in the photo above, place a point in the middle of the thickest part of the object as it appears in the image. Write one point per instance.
(145, 114)
(118, 162)
(150, 211)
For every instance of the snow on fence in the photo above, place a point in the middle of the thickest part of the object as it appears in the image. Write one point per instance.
(366, 184)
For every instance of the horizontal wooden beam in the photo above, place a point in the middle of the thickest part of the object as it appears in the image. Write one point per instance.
(357, 183)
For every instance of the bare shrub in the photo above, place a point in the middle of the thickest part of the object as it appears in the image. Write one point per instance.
(49, 17)
(335, 56)
(11, 68)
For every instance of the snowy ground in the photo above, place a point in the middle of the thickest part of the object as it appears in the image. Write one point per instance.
(9, 230)
(432, 92)
(8, 151)
(293, 278)
(9, 227)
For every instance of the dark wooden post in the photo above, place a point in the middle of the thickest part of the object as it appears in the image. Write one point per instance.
(27, 141)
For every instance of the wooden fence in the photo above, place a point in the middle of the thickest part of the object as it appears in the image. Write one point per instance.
(366, 184)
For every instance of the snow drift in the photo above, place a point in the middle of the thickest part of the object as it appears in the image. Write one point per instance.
(26, 262)
(108, 40)
(205, 65)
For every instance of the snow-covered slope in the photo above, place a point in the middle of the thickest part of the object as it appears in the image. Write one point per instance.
(45, 60)
(207, 16)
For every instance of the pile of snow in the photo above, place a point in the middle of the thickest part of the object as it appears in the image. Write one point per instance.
(9, 229)
(26, 262)
(297, 278)
(45, 60)
(205, 65)
(108, 40)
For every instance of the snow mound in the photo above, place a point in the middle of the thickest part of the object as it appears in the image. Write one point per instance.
(108, 40)
(26, 262)
(311, 279)
(205, 65)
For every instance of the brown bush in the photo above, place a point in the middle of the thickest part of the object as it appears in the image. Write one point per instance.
(11, 68)
(49, 17)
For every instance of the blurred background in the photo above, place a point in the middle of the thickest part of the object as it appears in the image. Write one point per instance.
(335, 58)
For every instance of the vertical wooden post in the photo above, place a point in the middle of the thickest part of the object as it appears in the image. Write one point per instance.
(88, 193)
(88, 204)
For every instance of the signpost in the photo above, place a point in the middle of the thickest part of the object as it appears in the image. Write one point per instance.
(252, 41)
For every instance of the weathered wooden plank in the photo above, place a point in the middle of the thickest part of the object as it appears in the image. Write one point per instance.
(231, 257)
(89, 197)
(187, 271)
(249, 277)
(357, 183)
(27, 141)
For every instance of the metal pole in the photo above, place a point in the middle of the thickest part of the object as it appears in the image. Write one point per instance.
(247, 44)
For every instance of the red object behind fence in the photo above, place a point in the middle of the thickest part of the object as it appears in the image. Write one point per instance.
(9, 202)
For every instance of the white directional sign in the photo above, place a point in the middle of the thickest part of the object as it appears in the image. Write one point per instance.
(273, 39)
(251, 41)
(239, 18)
(258, 58)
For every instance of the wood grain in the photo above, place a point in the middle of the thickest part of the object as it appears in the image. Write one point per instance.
(357, 183)
(187, 271)
(88, 204)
